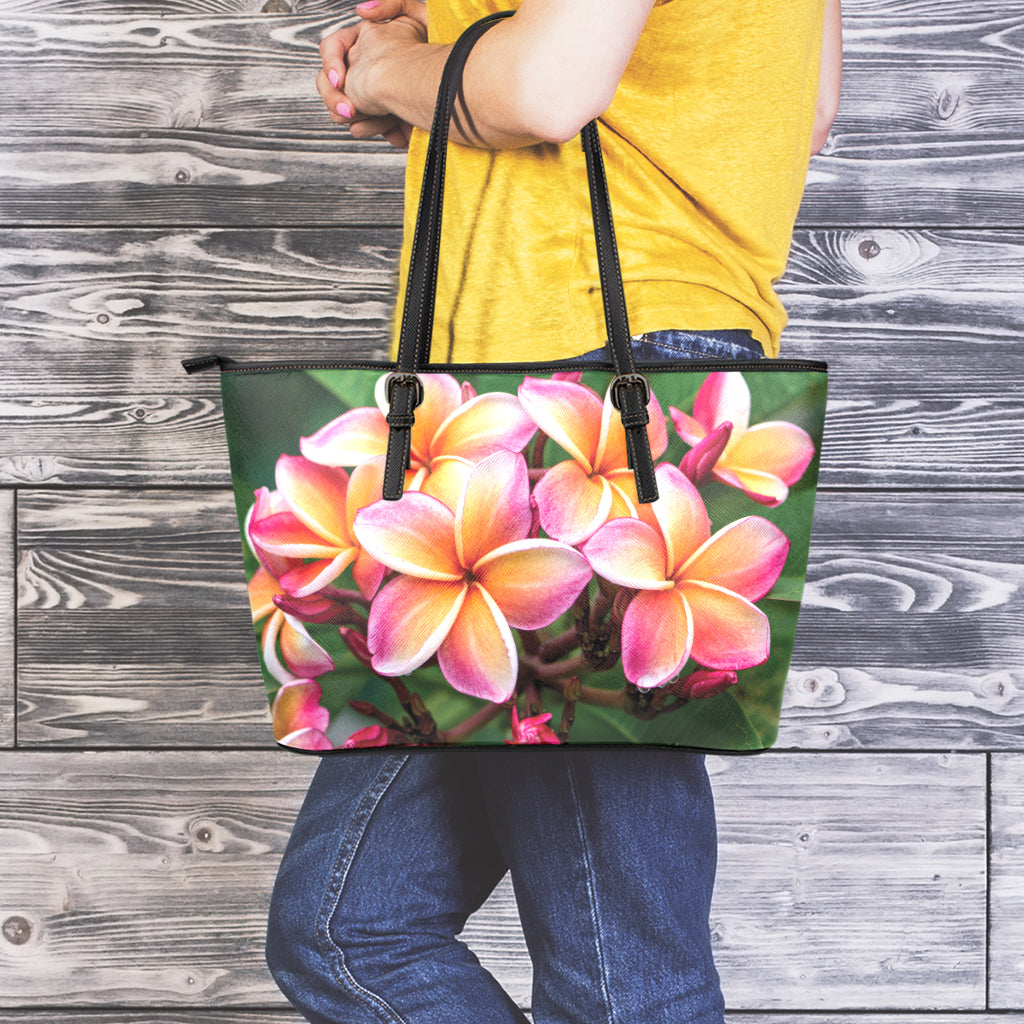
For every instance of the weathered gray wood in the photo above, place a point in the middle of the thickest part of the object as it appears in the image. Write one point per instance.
(889, 850)
(133, 624)
(94, 392)
(143, 878)
(895, 417)
(195, 178)
(315, 288)
(1006, 898)
(919, 591)
(7, 598)
(134, 614)
(248, 74)
(208, 90)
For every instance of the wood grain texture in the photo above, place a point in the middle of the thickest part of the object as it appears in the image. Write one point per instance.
(154, 637)
(1006, 899)
(196, 178)
(210, 117)
(913, 604)
(98, 321)
(144, 879)
(7, 598)
(799, 858)
(313, 288)
(134, 628)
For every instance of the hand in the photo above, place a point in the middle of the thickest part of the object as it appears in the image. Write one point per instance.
(347, 82)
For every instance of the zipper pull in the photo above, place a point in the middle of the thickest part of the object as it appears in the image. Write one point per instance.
(198, 363)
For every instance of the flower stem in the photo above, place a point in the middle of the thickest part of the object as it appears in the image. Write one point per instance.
(546, 671)
(364, 707)
(559, 646)
(477, 720)
(588, 694)
(537, 456)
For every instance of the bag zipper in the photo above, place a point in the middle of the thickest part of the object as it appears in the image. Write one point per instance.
(208, 362)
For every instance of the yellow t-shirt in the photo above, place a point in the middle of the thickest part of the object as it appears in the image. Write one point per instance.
(706, 144)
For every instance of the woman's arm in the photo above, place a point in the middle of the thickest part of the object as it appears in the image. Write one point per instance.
(829, 76)
(537, 77)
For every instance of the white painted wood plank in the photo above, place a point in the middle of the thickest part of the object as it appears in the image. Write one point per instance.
(142, 879)
(911, 588)
(924, 87)
(7, 602)
(134, 626)
(1006, 903)
(851, 881)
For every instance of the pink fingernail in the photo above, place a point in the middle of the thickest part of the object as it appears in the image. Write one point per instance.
(344, 109)
(369, 5)
(333, 77)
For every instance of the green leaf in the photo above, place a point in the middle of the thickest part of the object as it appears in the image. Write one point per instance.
(717, 723)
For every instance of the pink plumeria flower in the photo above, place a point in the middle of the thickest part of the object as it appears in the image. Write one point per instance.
(467, 579)
(695, 591)
(454, 429)
(298, 715)
(595, 483)
(763, 460)
(311, 533)
(307, 739)
(532, 730)
(300, 655)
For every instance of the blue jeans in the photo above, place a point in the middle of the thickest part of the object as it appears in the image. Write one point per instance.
(612, 855)
(677, 344)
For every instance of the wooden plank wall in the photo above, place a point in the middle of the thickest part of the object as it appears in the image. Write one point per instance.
(168, 186)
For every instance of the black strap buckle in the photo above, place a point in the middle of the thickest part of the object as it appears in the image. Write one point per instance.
(404, 380)
(630, 380)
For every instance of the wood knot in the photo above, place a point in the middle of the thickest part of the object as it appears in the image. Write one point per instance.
(278, 7)
(869, 249)
(205, 836)
(946, 104)
(182, 177)
(17, 930)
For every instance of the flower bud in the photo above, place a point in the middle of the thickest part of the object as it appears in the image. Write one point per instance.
(374, 736)
(700, 460)
(704, 683)
(356, 643)
(315, 608)
(572, 376)
(531, 730)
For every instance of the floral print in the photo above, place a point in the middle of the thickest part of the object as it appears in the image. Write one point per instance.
(519, 570)
(763, 460)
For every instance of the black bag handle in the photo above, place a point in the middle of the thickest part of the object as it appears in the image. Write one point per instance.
(630, 391)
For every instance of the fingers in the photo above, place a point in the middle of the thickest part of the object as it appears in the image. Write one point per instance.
(339, 106)
(390, 128)
(342, 111)
(335, 45)
(386, 10)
